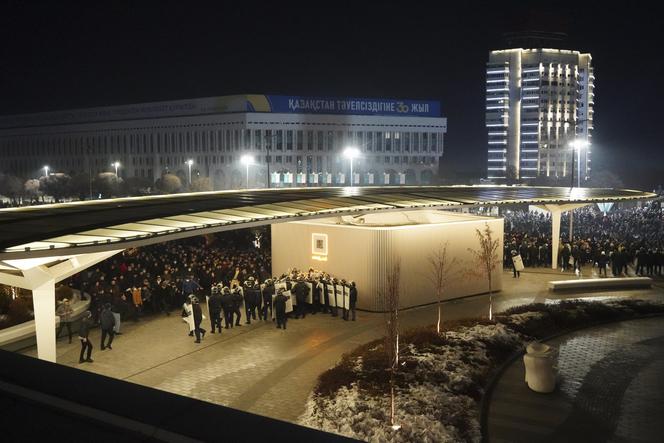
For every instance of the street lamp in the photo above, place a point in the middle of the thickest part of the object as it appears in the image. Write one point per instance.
(189, 163)
(247, 160)
(117, 165)
(577, 145)
(350, 153)
(46, 171)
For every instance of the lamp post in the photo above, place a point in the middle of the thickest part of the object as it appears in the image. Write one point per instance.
(116, 165)
(46, 171)
(189, 163)
(351, 153)
(247, 160)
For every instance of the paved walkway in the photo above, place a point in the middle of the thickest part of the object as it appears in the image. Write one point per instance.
(610, 389)
(268, 371)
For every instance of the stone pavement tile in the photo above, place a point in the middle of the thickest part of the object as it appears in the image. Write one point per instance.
(607, 386)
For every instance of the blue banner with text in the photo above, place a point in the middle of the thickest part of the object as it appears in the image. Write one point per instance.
(353, 106)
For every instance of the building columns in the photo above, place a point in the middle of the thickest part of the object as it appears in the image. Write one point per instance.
(556, 212)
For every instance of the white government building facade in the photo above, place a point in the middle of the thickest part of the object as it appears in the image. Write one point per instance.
(302, 138)
(537, 102)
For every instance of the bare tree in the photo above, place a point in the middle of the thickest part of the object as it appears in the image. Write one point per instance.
(441, 266)
(31, 188)
(169, 183)
(486, 260)
(201, 184)
(390, 306)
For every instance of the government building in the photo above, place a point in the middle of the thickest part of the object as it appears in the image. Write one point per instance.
(295, 141)
(539, 101)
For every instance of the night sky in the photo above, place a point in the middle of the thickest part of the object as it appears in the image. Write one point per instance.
(59, 55)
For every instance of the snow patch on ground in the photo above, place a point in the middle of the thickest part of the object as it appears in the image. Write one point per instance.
(434, 401)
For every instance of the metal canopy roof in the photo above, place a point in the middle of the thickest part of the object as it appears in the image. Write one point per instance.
(98, 225)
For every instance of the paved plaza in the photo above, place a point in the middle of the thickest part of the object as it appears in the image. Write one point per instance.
(268, 371)
(610, 389)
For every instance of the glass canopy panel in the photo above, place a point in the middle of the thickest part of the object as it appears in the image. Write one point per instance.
(194, 218)
(118, 233)
(83, 239)
(248, 216)
(167, 222)
(38, 245)
(142, 227)
(217, 215)
(263, 209)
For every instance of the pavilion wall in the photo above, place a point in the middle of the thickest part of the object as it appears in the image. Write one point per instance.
(364, 254)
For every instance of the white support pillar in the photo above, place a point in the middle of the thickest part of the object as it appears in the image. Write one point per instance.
(43, 300)
(40, 276)
(555, 236)
(556, 211)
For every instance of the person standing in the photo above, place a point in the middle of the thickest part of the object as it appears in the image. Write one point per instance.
(280, 308)
(83, 335)
(517, 273)
(301, 290)
(214, 305)
(268, 291)
(188, 315)
(137, 301)
(227, 306)
(107, 326)
(65, 312)
(198, 319)
(237, 305)
(353, 299)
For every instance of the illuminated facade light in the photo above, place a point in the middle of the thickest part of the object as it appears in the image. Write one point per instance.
(497, 89)
(498, 142)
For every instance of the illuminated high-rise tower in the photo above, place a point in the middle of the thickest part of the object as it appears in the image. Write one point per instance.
(537, 102)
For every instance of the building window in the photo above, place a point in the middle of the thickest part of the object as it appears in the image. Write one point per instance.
(300, 140)
(289, 140)
(310, 140)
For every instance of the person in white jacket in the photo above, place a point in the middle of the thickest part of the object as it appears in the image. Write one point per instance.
(188, 315)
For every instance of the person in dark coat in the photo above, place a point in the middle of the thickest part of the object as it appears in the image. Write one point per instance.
(268, 291)
(517, 274)
(237, 305)
(198, 319)
(353, 299)
(301, 290)
(227, 306)
(280, 309)
(251, 299)
(83, 335)
(107, 326)
(214, 305)
(315, 295)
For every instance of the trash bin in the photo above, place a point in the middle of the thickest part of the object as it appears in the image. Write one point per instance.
(540, 366)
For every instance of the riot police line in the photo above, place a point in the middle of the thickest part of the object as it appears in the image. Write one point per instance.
(294, 294)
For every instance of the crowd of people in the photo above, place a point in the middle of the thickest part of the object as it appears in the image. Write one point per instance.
(229, 271)
(615, 241)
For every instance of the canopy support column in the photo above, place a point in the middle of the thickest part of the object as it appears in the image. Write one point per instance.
(43, 300)
(556, 212)
(40, 275)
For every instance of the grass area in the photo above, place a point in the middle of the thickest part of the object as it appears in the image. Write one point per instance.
(441, 377)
